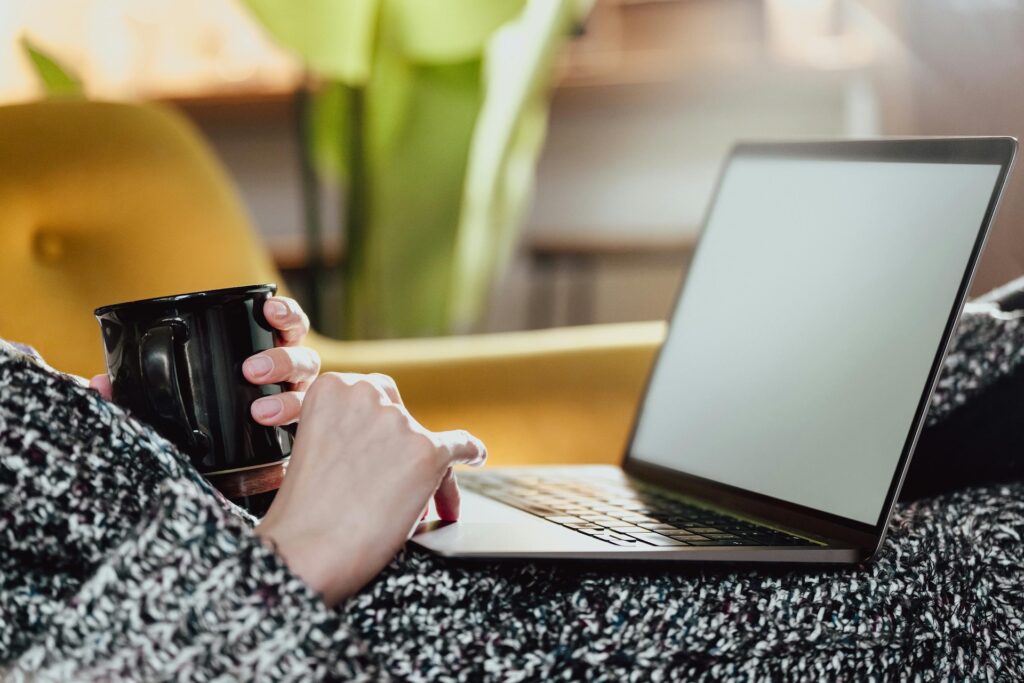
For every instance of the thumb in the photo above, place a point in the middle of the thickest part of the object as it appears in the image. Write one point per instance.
(101, 385)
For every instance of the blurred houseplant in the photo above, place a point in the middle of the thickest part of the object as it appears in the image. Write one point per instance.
(430, 114)
(54, 78)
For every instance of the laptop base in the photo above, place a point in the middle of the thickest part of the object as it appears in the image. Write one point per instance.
(492, 529)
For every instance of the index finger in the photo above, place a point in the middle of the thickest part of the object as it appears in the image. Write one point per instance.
(447, 499)
(286, 316)
(462, 448)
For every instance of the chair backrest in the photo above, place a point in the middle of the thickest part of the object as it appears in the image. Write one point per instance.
(105, 202)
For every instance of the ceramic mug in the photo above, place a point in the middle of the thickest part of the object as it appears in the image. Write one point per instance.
(175, 362)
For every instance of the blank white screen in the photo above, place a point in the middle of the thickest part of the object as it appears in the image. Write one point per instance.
(812, 313)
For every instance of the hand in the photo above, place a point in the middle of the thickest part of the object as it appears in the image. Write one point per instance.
(361, 472)
(289, 363)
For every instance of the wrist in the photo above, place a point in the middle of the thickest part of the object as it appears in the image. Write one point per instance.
(309, 558)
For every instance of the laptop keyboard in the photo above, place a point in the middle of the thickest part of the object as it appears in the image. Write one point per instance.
(622, 514)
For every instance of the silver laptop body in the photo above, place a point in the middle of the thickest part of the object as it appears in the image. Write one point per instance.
(783, 408)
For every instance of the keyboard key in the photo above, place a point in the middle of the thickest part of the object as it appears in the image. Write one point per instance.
(761, 540)
(611, 537)
(636, 518)
(657, 539)
(657, 526)
(563, 520)
(682, 535)
(581, 525)
(604, 521)
(532, 509)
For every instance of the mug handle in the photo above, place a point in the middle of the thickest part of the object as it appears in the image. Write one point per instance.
(162, 379)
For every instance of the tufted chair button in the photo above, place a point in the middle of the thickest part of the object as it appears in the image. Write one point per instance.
(48, 246)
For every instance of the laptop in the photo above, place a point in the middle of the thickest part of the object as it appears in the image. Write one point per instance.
(781, 413)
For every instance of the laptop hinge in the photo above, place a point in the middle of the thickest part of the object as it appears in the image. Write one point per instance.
(785, 516)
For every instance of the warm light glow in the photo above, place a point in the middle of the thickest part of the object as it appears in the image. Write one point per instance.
(821, 34)
(143, 48)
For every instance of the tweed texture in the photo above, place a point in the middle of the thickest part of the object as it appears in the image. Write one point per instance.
(988, 347)
(117, 561)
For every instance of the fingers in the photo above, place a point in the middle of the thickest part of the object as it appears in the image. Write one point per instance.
(101, 385)
(459, 447)
(274, 411)
(296, 365)
(382, 383)
(447, 499)
(287, 317)
(387, 385)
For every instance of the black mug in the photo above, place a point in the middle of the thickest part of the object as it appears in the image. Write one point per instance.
(175, 362)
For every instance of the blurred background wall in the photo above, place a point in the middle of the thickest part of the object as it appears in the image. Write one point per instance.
(650, 97)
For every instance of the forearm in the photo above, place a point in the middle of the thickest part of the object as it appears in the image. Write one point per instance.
(192, 593)
(987, 348)
(117, 560)
(974, 431)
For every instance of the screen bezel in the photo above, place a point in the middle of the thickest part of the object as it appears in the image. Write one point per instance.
(997, 151)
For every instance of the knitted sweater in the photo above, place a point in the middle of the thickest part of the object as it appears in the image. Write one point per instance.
(118, 561)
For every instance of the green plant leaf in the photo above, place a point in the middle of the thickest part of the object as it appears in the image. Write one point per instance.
(447, 31)
(335, 38)
(55, 79)
(328, 131)
(506, 142)
(399, 277)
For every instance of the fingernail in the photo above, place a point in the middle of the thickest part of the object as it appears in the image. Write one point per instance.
(257, 366)
(266, 408)
(278, 309)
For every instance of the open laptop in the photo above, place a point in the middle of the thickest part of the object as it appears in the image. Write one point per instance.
(783, 408)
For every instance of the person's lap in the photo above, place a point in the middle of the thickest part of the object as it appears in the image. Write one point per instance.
(945, 597)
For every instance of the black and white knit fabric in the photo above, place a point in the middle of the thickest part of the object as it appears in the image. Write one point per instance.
(117, 562)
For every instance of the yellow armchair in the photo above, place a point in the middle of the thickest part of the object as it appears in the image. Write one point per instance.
(105, 202)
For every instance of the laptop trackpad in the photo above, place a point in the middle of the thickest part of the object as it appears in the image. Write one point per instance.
(488, 527)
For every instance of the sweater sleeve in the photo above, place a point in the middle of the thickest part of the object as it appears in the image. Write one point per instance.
(974, 433)
(987, 348)
(193, 594)
(117, 560)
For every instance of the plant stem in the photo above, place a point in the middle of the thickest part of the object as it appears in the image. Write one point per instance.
(357, 307)
(310, 208)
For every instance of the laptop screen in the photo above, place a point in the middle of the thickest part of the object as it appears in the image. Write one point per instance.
(803, 339)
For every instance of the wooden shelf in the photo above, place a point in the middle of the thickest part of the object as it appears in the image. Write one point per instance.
(595, 244)
(238, 107)
(289, 253)
(623, 42)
